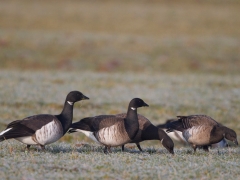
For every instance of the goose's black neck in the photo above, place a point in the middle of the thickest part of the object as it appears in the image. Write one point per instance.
(153, 133)
(66, 116)
(216, 134)
(131, 122)
(150, 133)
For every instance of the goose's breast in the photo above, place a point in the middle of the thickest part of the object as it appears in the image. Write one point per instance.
(113, 136)
(199, 135)
(49, 133)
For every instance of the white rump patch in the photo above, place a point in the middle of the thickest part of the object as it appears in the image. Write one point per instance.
(176, 135)
(5, 131)
(89, 134)
(71, 103)
(133, 108)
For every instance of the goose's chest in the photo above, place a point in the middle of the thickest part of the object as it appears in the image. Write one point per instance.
(199, 135)
(49, 133)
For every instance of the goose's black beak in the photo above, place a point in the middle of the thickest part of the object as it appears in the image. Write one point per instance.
(84, 97)
(145, 104)
(235, 142)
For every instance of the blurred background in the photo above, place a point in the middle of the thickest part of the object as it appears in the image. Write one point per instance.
(108, 36)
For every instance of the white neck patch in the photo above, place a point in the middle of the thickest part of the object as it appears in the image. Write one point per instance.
(162, 140)
(71, 103)
(133, 108)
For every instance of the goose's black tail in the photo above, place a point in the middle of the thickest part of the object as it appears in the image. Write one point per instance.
(175, 125)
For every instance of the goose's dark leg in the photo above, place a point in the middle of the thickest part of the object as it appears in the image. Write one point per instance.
(205, 148)
(109, 149)
(194, 147)
(105, 150)
(139, 147)
(42, 147)
(28, 147)
(122, 147)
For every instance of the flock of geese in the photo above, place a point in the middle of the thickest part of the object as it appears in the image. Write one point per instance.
(200, 131)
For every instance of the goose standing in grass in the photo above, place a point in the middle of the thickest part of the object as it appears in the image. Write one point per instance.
(202, 130)
(110, 130)
(177, 136)
(43, 129)
(147, 131)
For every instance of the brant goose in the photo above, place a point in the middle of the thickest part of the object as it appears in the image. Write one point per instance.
(202, 130)
(110, 130)
(177, 136)
(147, 131)
(43, 129)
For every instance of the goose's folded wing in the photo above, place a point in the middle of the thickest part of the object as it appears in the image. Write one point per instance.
(95, 123)
(196, 120)
(38, 121)
(16, 130)
(175, 125)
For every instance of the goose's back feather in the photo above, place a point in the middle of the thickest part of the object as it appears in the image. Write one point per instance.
(196, 120)
(96, 123)
(36, 122)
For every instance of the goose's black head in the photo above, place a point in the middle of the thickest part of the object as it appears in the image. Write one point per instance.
(137, 103)
(166, 141)
(231, 135)
(168, 144)
(75, 96)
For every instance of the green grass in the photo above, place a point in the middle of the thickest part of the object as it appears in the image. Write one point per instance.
(181, 58)
(63, 161)
(76, 157)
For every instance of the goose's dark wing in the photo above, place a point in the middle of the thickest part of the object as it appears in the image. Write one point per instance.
(186, 122)
(196, 120)
(164, 125)
(38, 121)
(95, 123)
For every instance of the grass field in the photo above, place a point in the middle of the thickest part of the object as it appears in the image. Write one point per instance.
(76, 157)
(181, 58)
